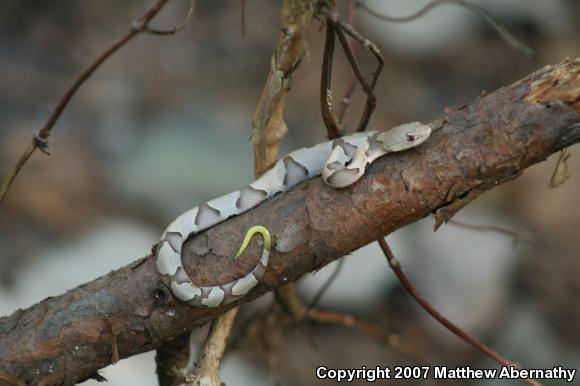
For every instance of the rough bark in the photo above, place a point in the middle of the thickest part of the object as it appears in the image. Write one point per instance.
(67, 338)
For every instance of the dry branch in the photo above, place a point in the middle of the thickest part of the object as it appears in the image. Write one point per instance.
(268, 126)
(40, 139)
(268, 132)
(65, 339)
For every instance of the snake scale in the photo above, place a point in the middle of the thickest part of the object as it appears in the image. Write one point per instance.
(340, 162)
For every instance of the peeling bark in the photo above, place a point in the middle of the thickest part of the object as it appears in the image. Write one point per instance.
(68, 338)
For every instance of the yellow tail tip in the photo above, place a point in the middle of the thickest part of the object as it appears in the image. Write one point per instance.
(256, 229)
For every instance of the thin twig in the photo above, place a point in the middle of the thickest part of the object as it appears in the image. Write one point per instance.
(326, 284)
(515, 235)
(343, 104)
(561, 172)
(341, 29)
(349, 321)
(291, 303)
(368, 88)
(503, 32)
(332, 126)
(396, 267)
(367, 328)
(346, 99)
(16, 169)
(178, 27)
(40, 139)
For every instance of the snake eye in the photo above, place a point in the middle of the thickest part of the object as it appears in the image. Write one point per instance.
(410, 138)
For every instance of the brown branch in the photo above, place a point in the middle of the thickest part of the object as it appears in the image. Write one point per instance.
(268, 131)
(206, 370)
(172, 361)
(326, 285)
(412, 290)
(177, 28)
(502, 31)
(372, 331)
(268, 123)
(516, 236)
(345, 100)
(67, 338)
(40, 139)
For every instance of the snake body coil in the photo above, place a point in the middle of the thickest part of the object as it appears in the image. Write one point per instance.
(340, 162)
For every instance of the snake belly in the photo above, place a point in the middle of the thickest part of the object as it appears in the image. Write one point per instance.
(289, 171)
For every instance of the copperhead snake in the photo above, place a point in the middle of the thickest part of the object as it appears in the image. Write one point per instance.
(340, 162)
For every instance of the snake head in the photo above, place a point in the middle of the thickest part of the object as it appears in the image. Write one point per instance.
(404, 136)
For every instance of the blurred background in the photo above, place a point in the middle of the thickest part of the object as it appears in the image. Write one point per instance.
(163, 126)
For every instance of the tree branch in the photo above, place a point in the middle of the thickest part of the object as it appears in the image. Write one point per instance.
(40, 139)
(65, 339)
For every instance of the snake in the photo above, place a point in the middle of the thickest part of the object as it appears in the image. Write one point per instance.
(340, 162)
